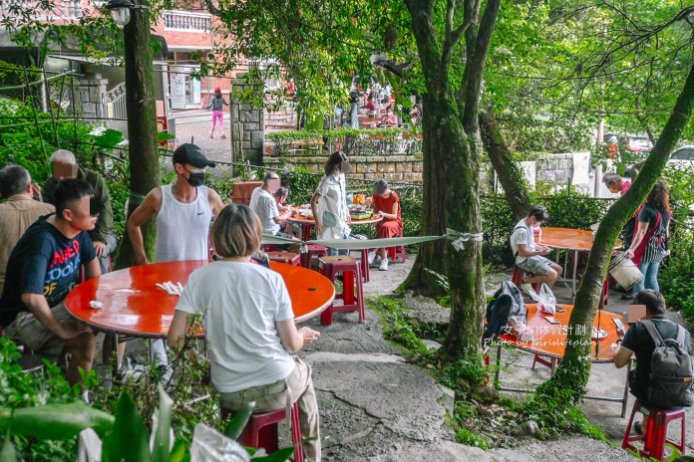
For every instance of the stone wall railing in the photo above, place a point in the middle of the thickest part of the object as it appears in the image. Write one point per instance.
(186, 21)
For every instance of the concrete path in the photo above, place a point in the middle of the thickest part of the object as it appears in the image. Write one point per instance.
(374, 406)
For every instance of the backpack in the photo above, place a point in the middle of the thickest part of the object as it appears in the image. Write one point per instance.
(507, 302)
(508, 256)
(672, 371)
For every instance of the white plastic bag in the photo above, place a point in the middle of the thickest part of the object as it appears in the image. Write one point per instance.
(519, 329)
(546, 301)
(211, 446)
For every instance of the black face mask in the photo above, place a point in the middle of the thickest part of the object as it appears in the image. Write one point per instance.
(196, 179)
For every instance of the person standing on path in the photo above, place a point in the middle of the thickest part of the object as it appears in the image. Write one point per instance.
(329, 205)
(649, 246)
(217, 103)
(183, 213)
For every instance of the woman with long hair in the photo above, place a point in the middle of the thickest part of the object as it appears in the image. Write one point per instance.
(649, 245)
(329, 203)
(249, 327)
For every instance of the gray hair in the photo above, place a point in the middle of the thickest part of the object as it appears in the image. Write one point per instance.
(63, 156)
(610, 178)
(13, 180)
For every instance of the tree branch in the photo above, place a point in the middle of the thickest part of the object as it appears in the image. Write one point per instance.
(475, 65)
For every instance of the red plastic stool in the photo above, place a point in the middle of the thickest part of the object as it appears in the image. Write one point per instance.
(261, 431)
(330, 267)
(655, 435)
(548, 361)
(271, 248)
(289, 258)
(399, 251)
(364, 263)
(312, 250)
(517, 279)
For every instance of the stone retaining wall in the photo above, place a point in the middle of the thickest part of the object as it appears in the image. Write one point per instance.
(395, 168)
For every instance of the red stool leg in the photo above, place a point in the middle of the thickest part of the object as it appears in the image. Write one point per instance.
(364, 262)
(296, 434)
(326, 317)
(360, 298)
(626, 442)
(348, 287)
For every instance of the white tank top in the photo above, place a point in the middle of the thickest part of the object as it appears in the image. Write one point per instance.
(183, 228)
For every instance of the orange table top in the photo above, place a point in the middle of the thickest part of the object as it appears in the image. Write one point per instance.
(133, 305)
(310, 221)
(567, 238)
(550, 339)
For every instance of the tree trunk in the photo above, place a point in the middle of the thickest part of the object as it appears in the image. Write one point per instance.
(509, 173)
(461, 156)
(431, 255)
(142, 129)
(569, 380)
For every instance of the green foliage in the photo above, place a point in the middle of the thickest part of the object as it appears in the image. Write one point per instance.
(676, 276)
(54, 421)
(396, 328)
(301, 184)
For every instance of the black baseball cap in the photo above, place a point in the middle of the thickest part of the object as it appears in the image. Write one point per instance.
(190, 153)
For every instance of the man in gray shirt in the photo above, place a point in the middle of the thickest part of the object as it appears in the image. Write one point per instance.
(264, 204)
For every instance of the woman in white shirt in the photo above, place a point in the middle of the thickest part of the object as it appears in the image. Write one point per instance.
(249, 327)
(329, 204)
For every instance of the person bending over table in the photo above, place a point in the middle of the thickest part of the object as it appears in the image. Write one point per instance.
(329, 205)
(264, 204)
(249, 327)
(529, 256)
(45, 266)
(637, 341)
(386, 204)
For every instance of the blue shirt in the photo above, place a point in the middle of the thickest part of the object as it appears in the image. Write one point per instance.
(46, 262)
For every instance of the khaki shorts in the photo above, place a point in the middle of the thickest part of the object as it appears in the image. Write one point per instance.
(536, 265)
(29, 331)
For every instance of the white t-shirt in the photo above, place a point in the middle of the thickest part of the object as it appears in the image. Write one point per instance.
(522, 235)
(333, 202)
(265, 206)
(241, 302)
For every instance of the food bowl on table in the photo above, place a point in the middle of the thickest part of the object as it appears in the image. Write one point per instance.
(356, 208)
(363, 215)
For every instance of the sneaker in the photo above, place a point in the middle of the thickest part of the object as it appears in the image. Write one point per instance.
(384, 265)
(372, 257)
(527, 288)
(627, 297)
(224, 137)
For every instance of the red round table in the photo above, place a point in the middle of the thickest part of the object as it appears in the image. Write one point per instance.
(549, 340)
(573, 240)
(134, 306)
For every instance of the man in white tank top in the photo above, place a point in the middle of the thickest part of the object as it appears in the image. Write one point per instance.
(183, 212)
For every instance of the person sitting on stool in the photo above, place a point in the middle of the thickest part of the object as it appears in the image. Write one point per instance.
(529, 256)
(637, 341)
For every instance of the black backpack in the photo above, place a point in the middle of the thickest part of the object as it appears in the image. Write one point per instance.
(508, 256)
(672, 371)
(507, 302)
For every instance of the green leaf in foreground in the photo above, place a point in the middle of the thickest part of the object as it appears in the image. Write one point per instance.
(55, 421)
